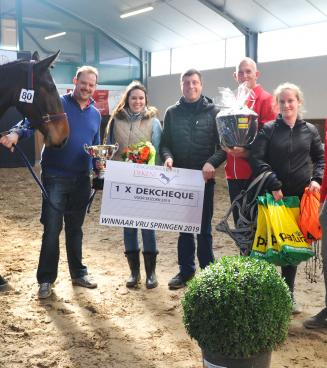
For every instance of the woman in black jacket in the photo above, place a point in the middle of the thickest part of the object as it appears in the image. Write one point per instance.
(292, 149)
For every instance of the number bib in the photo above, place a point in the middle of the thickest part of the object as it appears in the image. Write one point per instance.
(26, 95)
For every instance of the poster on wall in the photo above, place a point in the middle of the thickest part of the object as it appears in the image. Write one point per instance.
(101, 98)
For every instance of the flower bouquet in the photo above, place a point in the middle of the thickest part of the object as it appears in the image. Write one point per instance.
(140, 153)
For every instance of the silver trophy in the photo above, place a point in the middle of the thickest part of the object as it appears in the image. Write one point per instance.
(102, 153)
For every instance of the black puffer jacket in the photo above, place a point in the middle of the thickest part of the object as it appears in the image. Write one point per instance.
(296, 156)
(190, 135)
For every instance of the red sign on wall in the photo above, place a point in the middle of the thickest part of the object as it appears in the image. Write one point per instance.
(101, 98)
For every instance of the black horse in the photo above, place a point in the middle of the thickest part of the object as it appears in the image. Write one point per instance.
(28, 85)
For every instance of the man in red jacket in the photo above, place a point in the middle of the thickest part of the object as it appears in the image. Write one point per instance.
(237, 169)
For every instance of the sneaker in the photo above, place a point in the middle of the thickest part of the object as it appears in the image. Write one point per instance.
(45, 290)
(178, 281)
(295, 307)
(317, 321)
(85, 281)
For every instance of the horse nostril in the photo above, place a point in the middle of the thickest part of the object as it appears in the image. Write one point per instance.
(62, 144)
(58, 146)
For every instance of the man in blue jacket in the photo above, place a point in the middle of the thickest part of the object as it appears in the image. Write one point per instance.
(66, 178)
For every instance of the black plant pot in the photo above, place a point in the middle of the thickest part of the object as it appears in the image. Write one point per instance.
(216, 360)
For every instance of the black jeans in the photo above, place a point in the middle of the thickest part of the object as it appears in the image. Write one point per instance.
(69, 194)
(289, 273)
(186, 241)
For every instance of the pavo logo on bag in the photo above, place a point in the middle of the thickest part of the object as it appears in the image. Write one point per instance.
(278, 238)
(296, 237)
(260, 241)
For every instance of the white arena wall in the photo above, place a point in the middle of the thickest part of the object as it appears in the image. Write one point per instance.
(309, 73)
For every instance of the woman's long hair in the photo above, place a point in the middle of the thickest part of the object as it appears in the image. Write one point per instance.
(123, 102)
(123, 105)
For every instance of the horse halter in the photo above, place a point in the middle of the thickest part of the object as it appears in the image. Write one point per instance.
(47, 118)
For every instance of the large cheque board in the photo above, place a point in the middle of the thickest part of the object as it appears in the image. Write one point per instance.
(152, 197)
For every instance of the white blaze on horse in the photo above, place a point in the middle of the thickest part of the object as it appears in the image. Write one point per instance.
(28, 85)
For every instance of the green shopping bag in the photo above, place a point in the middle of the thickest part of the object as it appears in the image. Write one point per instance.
(265, 245)
(285, 244)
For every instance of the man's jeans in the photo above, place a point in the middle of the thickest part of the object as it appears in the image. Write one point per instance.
(69, 195)
(186, 241)
(131, 241)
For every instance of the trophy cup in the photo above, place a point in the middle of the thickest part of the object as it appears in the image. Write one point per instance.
(101, 153)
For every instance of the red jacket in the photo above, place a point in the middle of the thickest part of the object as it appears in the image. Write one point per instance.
(323, 188)
(239, 168)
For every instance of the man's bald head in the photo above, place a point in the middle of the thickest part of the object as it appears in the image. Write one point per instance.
(246, 71)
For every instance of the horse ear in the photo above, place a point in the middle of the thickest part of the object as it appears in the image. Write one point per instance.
(47, 63)
(36, 56)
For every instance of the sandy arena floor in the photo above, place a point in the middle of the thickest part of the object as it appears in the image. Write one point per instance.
(111, 326)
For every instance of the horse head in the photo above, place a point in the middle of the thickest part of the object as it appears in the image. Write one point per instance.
(37, 98)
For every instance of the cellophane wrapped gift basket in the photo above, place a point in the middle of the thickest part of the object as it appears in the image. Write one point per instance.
(237, 124)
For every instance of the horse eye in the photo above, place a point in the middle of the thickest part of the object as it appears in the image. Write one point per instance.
(51, 87)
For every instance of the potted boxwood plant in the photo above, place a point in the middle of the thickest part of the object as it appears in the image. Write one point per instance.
(238, 309)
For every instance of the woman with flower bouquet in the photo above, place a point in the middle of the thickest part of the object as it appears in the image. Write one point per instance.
(134, 126)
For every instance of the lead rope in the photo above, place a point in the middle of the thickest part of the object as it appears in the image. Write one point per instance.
(314, 264)
(244, 231)
(29, 166)
(43, 190)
